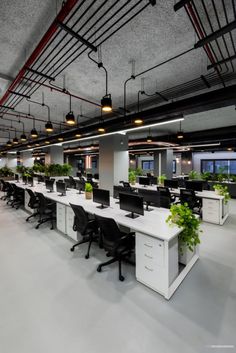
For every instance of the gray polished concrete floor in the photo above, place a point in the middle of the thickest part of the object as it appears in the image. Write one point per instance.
(54, 301)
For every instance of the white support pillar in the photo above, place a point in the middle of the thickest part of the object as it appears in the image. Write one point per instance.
(113, 161)
(55, 155)
(163, 163)
(27, 159)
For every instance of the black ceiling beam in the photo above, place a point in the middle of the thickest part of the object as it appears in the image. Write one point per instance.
(40, 74)
(213, 36)
(20, 94)
(181, 4)
(77, 36)
(230, 58)
(6, 107)
(162, 97)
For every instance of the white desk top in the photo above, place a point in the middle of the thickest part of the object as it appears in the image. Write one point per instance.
(152, 223)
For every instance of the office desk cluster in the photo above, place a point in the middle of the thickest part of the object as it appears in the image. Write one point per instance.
(157, 264)
(214, 210)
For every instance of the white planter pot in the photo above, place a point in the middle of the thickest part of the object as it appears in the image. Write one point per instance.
(186, 256)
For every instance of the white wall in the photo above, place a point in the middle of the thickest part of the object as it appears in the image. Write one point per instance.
(197, 156)
(27, 159)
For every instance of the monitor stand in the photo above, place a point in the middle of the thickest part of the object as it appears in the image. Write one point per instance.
(49, 191)
(80, 192)
(62, 194)
(102, 206)
(148, 209)
(132, 215)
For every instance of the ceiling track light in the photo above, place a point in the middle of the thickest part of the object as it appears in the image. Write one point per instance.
(34, 133)
(180, 134)
(149, 137)
(106, 103)
(23, 137)
(49, 126)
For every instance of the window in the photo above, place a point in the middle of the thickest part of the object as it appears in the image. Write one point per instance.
(148, 165)
(219, 166)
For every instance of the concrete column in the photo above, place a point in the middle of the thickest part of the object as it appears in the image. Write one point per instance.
(55, 155)
(113, 161)
(163, 163)
(27, 159)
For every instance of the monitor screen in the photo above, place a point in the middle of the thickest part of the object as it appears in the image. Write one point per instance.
(150, 197)
(131, 203)
(17, 177)
(173, 184)
(144, 181)
(61, 188)
(118, 189)
(89, 176)
(68, 183)
(101, 196)
(24, 179)
(49, 185)
(194, 185)
(80, 185)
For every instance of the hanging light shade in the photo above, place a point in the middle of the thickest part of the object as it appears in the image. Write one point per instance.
(60, 138)
(149, 138)
(34, 133)
(15, 141)
(180, 135)
(106, 103)
(101, 129)
(49, 126)
(23, 137)
(70, 118)
(9, 143)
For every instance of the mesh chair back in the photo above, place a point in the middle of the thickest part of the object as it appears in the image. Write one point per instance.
(80, 220)
(111, 233)
(33, 199)
(188, 196)
(42, 202)
(164, 191)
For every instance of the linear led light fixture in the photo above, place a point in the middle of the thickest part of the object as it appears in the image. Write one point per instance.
(20, 94)
(219, 33)
(178, 148)
(77, 36)
(40, 74)
(230, 58)
(201, 145)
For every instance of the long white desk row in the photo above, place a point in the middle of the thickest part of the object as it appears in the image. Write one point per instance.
(157, 264)
(214, 210)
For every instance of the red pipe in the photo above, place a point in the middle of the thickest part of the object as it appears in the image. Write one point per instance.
(198, 29)
(30, 117)
(65, 10)
(53, 88)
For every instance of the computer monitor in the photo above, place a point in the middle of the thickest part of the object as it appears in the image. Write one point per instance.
(194, 185)
(172, 184)
(101, 196)
(49, 185)
(61, 188)
(68, 183)
(24, 179)
(89, 176)
(40, 179)
(31, 181)
(80, 185)
(17, 178)
(131, 203)
(117, 189)
(150, 197)
(144, 181)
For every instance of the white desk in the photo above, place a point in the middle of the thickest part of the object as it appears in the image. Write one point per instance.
(214, 210)
(156, 242)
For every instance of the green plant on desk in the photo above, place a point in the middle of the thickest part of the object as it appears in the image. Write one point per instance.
(183, 217)
(88, 190)
(206, 176)
(161, 179)
(222, 190)
(132, 177)
(193, 175)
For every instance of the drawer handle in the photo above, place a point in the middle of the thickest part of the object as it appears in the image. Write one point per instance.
(149, 269)
(149, 246)
(148, 256)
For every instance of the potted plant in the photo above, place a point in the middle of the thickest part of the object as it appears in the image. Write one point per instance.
(66, 169)
(132, 177)
(206, 176)
(222, 190)
(88, 191)
(183, 217)
(193, 175)
(161, 179)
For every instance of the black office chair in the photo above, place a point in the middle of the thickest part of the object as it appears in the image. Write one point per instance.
(72, 182)
(9, 193)
(118, 244)
(86, 226)
(188, 196)
(33, 204)
(4, 189)
(47, 210)
(164, 191)
(18, 196)
(165, 201)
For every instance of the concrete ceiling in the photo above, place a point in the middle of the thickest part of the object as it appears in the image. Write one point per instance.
(155, 35)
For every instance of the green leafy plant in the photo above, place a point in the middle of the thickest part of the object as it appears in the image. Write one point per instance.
(38, 168)
(193, 175)
(222, 190)
(132, 177)
(183, 217)
(88, 187)
(161, 179)
(233, 178)
(139, 171)
(206, 176)
(6, 172)
(66, 169)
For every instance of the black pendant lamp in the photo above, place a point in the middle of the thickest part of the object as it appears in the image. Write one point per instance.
(180, 134)
(70, 118)
(48, 125)
(34, 133)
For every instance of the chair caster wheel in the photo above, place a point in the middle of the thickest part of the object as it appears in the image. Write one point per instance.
(72, 249)
(99, 269)
(121, 278)
(86, 256)
(37, 227)
(27, 220)
(51, 228)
